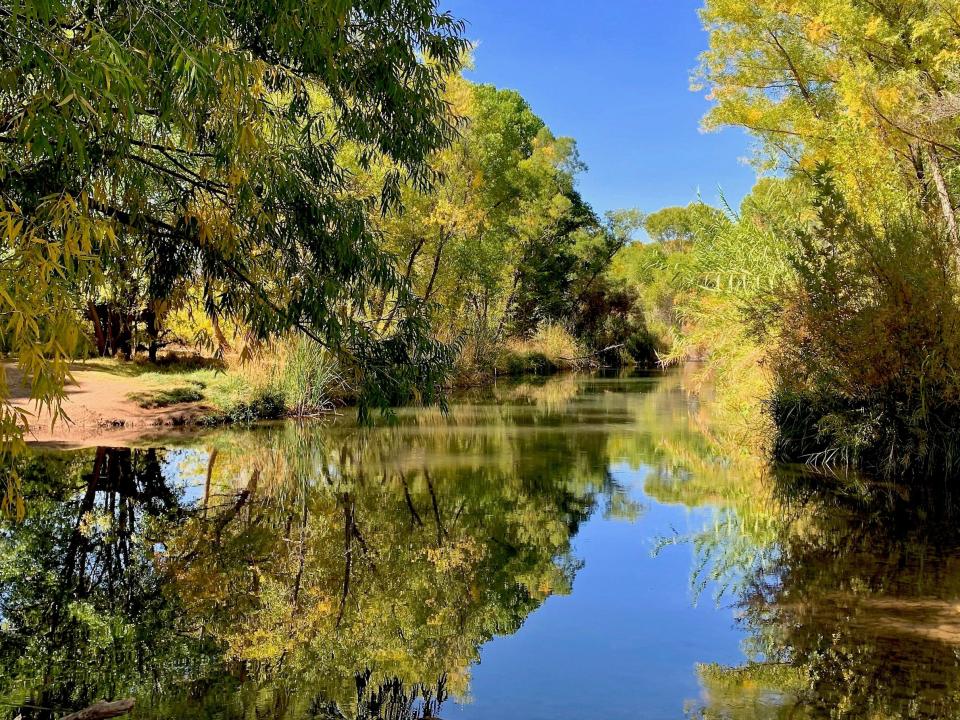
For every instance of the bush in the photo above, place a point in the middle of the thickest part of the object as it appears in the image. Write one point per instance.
(643, 347)
(264, 404)
(866, 365)
(514, 362)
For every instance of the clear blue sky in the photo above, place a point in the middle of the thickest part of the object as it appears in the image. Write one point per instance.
(615, 75)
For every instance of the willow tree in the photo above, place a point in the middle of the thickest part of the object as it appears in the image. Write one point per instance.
(200, 140)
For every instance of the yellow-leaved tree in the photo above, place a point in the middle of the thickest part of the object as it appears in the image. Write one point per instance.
(868, 88)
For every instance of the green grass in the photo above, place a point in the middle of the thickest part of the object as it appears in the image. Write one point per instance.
(293, 377)
(154, 399)
(229, 394)
(166, 366)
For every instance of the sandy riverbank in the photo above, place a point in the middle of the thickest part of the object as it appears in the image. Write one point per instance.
(100, 409)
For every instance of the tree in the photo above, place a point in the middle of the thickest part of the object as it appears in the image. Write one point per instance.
(855, 306)
(506, 205)
(869, 88)
(546, 281)
(680, 224)
(202, 141)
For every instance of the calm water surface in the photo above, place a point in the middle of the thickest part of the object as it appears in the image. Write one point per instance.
(569, 548)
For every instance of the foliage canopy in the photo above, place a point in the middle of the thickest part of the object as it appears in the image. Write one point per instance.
(197, 142)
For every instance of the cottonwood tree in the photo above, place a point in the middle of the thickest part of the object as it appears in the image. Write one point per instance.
(507, 209)
(866, 87)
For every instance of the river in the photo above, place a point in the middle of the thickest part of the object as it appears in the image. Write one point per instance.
(575, 547)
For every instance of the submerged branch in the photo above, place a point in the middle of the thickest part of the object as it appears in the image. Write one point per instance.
(102, 710)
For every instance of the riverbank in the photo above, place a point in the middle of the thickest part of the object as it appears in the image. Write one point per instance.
(120, 403)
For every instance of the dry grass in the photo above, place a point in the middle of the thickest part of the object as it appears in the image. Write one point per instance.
(551, 348)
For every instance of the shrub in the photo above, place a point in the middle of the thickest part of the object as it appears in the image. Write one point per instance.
(643, 348)
(524, 362)
(867, 365)
(555, 345)
(264, 403)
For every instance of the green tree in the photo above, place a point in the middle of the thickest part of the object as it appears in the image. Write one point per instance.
(868, 88)
(201, 141)
(680, 225)
(503, 218)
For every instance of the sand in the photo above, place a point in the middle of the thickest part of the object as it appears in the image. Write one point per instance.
(100, 411)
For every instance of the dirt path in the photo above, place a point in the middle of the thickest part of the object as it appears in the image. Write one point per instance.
(100, 410)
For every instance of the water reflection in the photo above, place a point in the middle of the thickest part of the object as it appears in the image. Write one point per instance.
(852, 604)
(325, 572)
(297, 571)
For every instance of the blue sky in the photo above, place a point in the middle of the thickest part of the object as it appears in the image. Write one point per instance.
(615, 75)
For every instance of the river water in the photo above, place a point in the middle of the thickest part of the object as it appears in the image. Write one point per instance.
(576, 547)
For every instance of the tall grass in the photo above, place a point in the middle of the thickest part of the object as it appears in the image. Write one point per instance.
(307, 375)
(550, 349)
(301, 375)
(727, 294)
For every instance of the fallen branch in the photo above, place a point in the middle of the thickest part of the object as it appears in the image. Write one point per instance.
(593, 354)
(102, 710)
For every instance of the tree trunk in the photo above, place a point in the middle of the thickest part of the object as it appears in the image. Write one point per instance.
(152, 317)
(433, 276)
(946, 205)
(436, 265)
(97, 328)
(509, 306)
(407, 275)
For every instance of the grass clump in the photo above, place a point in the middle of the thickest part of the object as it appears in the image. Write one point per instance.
(552, 348)
(292, 376)
(306, 377)
(155, 399)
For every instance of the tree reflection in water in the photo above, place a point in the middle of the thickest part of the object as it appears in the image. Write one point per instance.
(292, 572)
(301, 573)
(853, 610)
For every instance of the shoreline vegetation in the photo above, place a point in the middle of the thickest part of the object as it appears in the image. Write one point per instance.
(115, 400)
(268, 188)
(347, 217)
